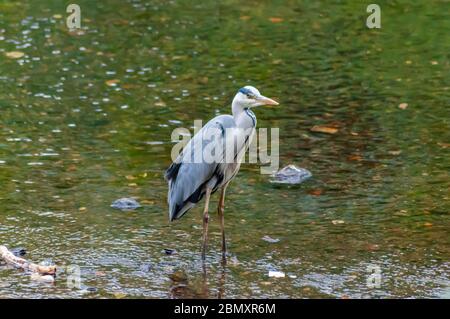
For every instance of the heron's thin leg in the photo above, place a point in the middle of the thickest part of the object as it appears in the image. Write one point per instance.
(220, 209)
(205, 223)
(221, 288)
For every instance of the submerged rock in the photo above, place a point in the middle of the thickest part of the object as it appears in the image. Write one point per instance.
(270, 239)
(125, 204)
(178, 276)
(42, 278)
(276, 274)
(146, 267)
(169, 251)
(18, 251)
(291, 175)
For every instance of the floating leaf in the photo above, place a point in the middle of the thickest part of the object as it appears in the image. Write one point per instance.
(355, 157)
(428, 224)
(203, 80)
(245, 18)
(315, 192)
(403, 106)
(119, 295)
(14, 54)
(324, 129)
(113, 82)
(276, 20)
(127, 86)
(82, 209)
(179, 57)
(57, 16)
(337, 221)
(160, 103)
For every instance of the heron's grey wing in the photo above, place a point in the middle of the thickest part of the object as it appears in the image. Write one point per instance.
(190, 172)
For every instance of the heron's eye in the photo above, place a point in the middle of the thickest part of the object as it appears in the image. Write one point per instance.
(250, 96)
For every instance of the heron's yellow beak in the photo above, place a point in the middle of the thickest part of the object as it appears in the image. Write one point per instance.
(266, 101)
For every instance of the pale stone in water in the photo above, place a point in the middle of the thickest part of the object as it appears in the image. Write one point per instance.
(291, 175)
(276, 274)
(125, 204)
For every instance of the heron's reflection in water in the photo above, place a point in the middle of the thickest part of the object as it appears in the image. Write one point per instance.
(201, 286)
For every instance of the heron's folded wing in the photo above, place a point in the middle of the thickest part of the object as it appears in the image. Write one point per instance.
(199, 160)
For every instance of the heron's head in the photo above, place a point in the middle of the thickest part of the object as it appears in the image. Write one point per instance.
(249, 96)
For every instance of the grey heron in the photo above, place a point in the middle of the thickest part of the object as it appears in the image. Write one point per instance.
(191, 177)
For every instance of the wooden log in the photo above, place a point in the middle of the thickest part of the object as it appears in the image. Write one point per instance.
(11, 259)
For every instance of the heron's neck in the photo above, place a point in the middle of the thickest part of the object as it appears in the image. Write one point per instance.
(243, 117)
(236, 109)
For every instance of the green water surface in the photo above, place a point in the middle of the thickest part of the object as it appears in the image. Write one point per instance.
(70, 144)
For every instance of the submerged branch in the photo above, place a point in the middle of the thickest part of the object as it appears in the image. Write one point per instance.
(11, 259)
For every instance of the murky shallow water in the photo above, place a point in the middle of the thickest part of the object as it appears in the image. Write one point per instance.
(72, 141)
